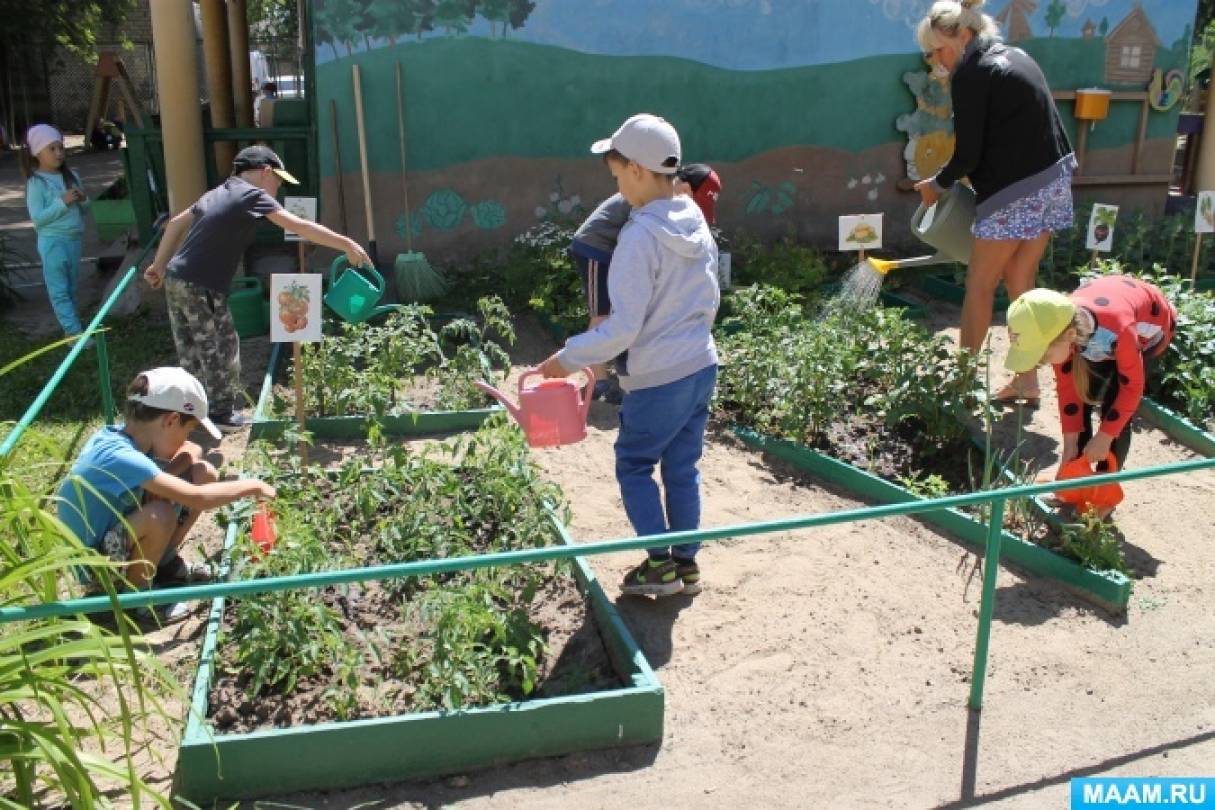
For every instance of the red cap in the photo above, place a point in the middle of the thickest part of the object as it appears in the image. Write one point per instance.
(706, 187)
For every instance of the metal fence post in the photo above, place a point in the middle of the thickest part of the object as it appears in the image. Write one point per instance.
(103, 374)
(991, 566)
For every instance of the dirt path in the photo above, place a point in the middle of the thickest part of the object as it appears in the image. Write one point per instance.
(831, 667)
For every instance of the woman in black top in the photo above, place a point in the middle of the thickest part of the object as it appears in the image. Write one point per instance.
(1011, 145)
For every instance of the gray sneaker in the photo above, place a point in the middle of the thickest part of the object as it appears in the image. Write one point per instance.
(689, 573)
(231, 422)
(652, 578)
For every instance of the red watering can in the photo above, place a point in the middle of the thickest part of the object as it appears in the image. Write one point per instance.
(551, 413)
(1104, 496)
(263, 528)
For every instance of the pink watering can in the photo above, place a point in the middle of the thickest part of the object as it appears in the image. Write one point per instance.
(551, 413)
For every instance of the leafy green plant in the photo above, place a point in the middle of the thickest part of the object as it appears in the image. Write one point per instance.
(786, 264)
(379, 369)
(1094, 543)
(62, 742)
(449, 640)
(924, 485)
(1183, 378)
(789, 374)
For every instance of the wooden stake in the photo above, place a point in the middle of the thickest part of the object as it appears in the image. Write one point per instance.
(862, 252)
(1194, 266)
(1093, 261)
(297, 356)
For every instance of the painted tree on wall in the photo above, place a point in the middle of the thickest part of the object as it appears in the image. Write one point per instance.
(454, 16)
(1054, 15)
(336, 24)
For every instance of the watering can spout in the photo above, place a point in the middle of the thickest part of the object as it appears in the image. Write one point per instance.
(511, 407)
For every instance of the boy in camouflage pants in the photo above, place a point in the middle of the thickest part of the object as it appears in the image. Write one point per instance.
(217, 230)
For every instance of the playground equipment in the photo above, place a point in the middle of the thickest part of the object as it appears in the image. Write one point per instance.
(551, 413)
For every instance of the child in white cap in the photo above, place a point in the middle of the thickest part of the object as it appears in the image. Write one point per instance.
(57, 203)
(136, 489)
(664, 295)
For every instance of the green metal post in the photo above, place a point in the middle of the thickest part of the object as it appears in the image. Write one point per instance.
(991, 567)
(103, 368)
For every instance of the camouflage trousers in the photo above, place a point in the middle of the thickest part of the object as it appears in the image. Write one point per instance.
(207, 343)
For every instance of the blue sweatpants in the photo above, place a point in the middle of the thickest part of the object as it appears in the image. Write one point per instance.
(664, 427)
(61, 268)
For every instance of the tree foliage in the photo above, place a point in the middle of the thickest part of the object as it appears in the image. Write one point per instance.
(74, 25)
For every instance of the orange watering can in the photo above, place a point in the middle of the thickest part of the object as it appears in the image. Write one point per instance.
(263, 529)
(1104, 496)
(551, 413)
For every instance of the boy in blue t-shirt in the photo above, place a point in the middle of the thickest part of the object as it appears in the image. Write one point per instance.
(663, 289)
(119, 501)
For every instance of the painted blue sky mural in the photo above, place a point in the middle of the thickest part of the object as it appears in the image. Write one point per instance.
(769, 34)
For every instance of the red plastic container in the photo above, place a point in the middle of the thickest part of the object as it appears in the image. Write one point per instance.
(1105, 496)
(263, 528)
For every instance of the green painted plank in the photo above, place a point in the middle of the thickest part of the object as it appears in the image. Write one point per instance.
(944, 289)
(1178, 428)
(1111, 590)
(424, 744)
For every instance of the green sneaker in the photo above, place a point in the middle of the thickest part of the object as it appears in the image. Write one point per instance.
(689, 572)
(652, 578)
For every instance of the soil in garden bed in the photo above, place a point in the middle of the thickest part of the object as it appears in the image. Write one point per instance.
(576, 662)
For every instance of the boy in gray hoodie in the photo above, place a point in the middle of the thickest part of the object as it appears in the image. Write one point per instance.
(664, 295)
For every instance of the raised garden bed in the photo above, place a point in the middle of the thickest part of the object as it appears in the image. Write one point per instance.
(1108, 589)
(878, 398)
(430, 648)
(404, 376)
(1178, 428)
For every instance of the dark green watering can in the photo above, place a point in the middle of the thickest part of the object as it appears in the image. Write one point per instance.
(355, 293)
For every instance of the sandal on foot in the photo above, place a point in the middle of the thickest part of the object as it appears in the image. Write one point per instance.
(1009, 395)
(180, 572)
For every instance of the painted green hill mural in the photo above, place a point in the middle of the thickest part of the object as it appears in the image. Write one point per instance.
(471, 99)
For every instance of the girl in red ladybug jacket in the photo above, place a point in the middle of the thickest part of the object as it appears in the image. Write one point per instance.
(1099, 340)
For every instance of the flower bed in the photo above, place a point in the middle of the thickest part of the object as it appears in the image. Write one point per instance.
(875, 392)
(405, 375)
(415, 677)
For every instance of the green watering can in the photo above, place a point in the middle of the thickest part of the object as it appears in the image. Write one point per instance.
(355, 293)
(945, 226)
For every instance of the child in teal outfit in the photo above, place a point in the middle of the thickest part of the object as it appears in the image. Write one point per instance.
(57, 204)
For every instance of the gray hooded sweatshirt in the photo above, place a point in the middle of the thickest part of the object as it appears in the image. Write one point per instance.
(663, 288)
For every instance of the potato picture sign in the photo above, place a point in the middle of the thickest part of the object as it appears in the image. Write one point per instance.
(295, 307)
(860, 232)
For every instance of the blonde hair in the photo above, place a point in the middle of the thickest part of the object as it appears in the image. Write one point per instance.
(1082, 373)
(947, 18)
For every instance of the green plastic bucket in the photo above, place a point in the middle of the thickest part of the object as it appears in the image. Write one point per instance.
(250, 310)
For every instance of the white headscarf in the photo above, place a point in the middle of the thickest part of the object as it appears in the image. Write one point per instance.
(40, 136)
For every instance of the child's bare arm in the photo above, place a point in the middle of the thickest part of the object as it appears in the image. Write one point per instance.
(175, 231)
(320, 235)
(206, 496)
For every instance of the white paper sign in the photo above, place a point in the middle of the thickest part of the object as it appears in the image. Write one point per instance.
(1101, 227)
(302, 207)
(861, 232)
(295, 307)
(1204, 216)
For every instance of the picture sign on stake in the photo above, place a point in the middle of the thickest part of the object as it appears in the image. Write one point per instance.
(860, 232)
(1101, 227)
(295, 307)
(1204, 216)
(302, 207)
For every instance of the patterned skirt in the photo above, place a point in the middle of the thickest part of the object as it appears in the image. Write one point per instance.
(1048, 209)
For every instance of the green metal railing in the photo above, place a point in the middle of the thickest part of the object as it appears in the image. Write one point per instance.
(997, 498)
(93, 330)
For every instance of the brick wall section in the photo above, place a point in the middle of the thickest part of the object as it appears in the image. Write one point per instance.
(72, 79)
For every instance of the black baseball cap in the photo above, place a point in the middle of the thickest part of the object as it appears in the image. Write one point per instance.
(260, 157)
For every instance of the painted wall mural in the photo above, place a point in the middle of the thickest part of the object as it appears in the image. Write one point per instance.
(794, 102)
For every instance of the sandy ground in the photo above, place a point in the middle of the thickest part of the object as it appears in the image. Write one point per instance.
(831, 667)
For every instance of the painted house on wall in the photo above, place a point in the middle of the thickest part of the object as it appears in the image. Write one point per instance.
(1130, 49)
(807, 109)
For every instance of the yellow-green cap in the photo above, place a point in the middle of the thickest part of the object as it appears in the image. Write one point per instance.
(1034, 321)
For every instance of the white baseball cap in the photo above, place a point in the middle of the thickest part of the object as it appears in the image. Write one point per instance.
(647, 140)
(172, 388)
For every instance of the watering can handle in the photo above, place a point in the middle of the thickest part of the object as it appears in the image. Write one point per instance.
(340, 263)
(527, 375)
